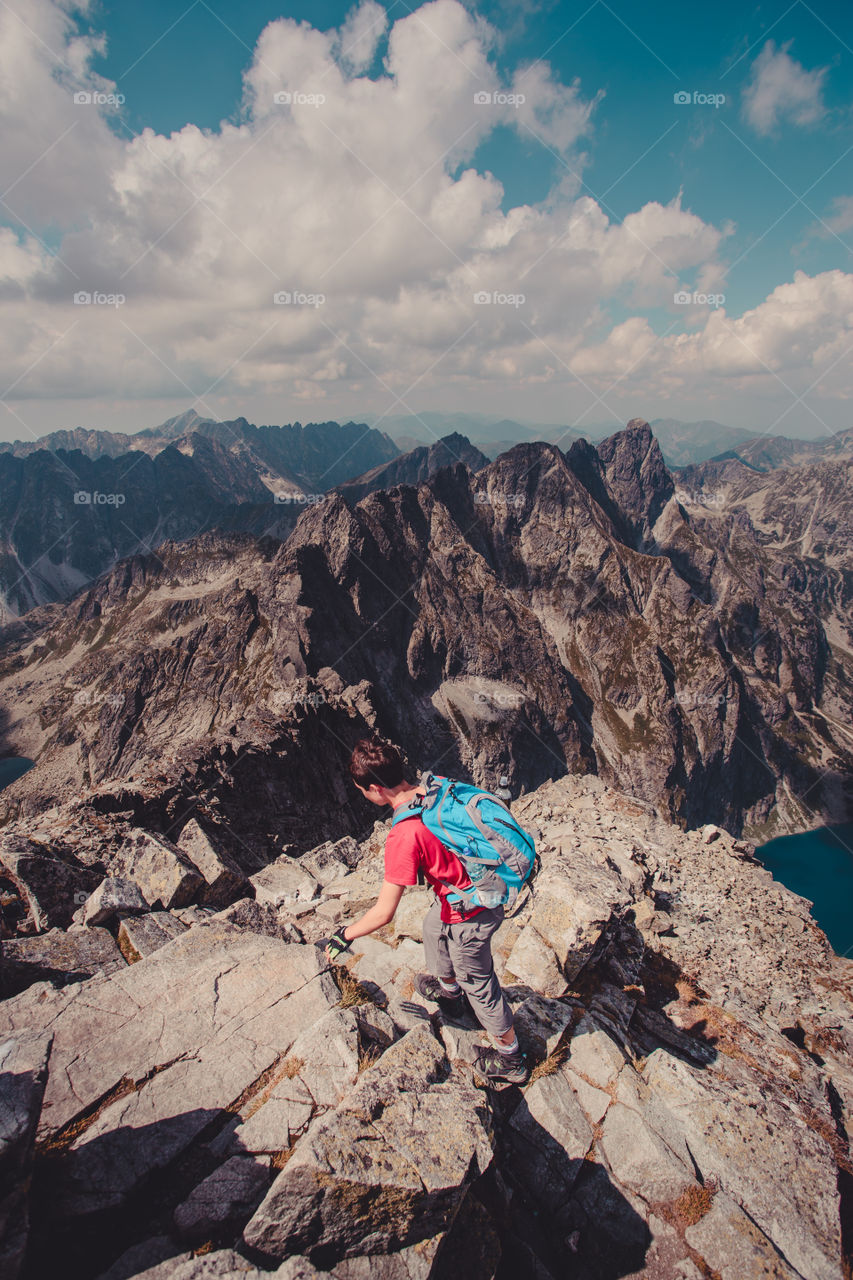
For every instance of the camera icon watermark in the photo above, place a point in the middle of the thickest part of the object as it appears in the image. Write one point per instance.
(286, 298)
(484, 98)
(682, 99)
(499, 698)
(285, 98)
(293, 698)
(699, 498)
(82, 298)
(483, 499)
(95, 98)
(691, 701)
(92, 498)
(81, 898)
(685, 299)
(494, 297)
(87, 698)
(299, 499)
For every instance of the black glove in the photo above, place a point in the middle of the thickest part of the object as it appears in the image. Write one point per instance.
(337, 944)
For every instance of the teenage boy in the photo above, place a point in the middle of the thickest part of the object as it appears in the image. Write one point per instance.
(457, 943)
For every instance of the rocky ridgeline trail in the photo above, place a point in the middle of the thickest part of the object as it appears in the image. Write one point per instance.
(189, 1090)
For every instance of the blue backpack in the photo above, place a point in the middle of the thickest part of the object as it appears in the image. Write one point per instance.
(495, 851)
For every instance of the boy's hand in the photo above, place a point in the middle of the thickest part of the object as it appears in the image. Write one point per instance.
(337, 945)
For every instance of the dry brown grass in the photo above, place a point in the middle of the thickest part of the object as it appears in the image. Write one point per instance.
(352, 991)
(692, 1205)
(553, 1062)
(367, 1056)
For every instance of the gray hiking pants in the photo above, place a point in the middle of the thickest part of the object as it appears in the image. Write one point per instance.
(464, 952)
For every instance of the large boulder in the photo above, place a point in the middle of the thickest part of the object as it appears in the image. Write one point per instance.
(114, 896)
(59, 957)
(332, 860)
(49, 885)
(165, 875)
(224, 880)
(284, 881)
(164, 1046)
(140, 935)
(574, 900)
(387, 1168)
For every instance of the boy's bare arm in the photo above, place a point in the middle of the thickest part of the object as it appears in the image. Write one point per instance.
(381, 913)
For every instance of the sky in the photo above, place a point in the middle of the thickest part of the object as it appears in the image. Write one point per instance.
(555, 212)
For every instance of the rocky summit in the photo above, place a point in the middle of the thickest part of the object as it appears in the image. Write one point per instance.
(685, 640)
(189, 1089)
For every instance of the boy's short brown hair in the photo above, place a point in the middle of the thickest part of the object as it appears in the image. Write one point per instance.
(376, 761)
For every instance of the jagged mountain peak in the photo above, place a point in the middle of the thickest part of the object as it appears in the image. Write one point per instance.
(678, 656)
(417, 466)
(637, 477)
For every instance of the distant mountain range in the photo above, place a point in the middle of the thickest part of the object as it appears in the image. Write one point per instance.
(688, 638)
(75, 502)
(682, 443)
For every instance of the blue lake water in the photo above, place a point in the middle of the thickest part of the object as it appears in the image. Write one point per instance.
(12, 767)
(818, 865)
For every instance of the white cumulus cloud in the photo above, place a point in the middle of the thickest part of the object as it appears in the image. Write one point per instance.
(362, 199)
(780, 88)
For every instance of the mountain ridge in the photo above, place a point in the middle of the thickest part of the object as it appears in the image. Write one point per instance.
(555, 612)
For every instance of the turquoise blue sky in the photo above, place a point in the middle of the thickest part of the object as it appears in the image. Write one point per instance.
(663, 152)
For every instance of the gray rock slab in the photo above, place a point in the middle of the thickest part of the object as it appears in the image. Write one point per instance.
(401, 1147)
(574, 900)
(540, 1021)
(639, 1159)
(733, 1247)
(460, 1036)
(782, 1174)
(139, 936)
(531, 960)
(115, 895)
(224, 1200)
(224, 880)
(194, 1025)
(142, 1257)
(594, 1054)
(260, 917)
(409, 917)
(48, 884)
(225, 1264)
(330, 1050)
(279, 1121)
(59, 957)
(165, 875)
(284, 882)
(550, 1137)
(593, 1101)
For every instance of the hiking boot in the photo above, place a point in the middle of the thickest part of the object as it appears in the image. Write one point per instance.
(431, 989)
(494, 1065)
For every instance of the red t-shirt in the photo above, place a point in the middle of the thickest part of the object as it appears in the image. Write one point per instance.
(410, 847)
